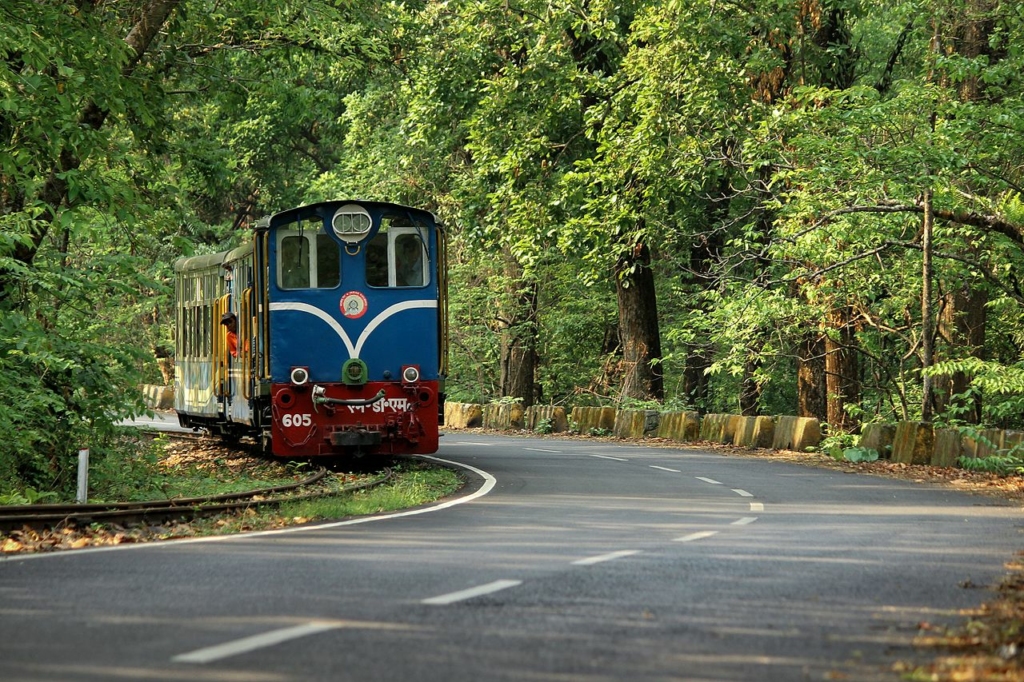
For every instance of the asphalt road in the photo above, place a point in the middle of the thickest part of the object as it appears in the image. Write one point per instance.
(572, 560)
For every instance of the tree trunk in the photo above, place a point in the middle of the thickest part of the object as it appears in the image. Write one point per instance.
(638, 326)
(750, 389)
(842, 371)
(927, 311)
(961, 328)
(962, 314)
(518, 340)
(811, 391)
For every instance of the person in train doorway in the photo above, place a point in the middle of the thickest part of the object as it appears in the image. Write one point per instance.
(231, 322)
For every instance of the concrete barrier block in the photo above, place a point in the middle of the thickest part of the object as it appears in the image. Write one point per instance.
(878, 437)
(680, 426)
(158, 397)
(948, 448)
(635, 423)
(989, 442)
(555, 415)
(503, 416)
(785, 429)
(763, 433)
(1013, 442)
(712, 426)
(743, 432)
(588, 418)
(913, 443)
(806, 434)
(463, 415)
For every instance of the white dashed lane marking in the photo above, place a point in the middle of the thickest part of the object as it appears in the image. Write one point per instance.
(247, 644)
(742, 493)
(709, 480)
(674, 471)
(746, 520)
(617, 459)
(472, 592)
(699, 535)
(542, 450)
(757, 506)
(590, 561)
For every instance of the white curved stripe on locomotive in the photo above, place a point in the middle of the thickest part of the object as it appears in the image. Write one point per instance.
(353, 351)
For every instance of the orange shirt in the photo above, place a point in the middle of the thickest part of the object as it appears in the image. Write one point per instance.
(233, 344)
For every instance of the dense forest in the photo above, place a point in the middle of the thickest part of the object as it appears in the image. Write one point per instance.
(808, 207)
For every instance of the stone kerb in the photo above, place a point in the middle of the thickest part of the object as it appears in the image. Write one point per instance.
(989, 442)
(720, 428)
(913, 443)
(588, 418)
(796, 433)
(1013, 442)
(878, 437)
(157, 397)
(555, 415)
(948, 448)
(679, 426)
(807, 433)
(635, 423)
(503, 416)
(463, 415)
(754, 432)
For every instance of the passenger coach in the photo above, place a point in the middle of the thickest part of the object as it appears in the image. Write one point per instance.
(339, 341)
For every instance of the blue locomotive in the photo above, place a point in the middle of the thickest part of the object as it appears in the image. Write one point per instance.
(324, 334)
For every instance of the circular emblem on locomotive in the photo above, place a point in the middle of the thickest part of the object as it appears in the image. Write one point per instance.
(353, 305)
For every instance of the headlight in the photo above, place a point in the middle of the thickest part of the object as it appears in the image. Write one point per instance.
(410, 374)
(299, 376)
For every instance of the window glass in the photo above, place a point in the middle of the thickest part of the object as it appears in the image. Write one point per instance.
(328, 262)
(377, 261)
(409, 261)
(294, 257)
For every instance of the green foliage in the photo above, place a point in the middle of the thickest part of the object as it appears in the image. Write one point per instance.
(776, 174)
(544, 426)
(1004, 465)
(859, 454)
(599, 432)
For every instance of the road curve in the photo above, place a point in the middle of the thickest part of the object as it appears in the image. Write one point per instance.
(569, 560)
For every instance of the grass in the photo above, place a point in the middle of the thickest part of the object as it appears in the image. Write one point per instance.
(414, 483)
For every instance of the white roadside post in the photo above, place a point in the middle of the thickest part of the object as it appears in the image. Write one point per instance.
(83, 476)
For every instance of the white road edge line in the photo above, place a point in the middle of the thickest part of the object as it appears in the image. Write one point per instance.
(590, 561)
(745, 521)
(708, 480)
(742, 493)
(757, 506)
(699, 535)
(617, 459)
(489, 483)
(543, 450)
(247, 644)
(478, 591)
(674, 471)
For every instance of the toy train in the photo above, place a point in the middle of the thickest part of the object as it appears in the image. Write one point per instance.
(324, 334)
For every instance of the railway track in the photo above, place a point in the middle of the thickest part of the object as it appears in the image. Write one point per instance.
(57, 515)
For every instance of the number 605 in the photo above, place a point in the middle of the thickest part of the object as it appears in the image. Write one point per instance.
(296, 420)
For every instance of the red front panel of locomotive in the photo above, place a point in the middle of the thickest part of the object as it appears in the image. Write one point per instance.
(345, 420)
